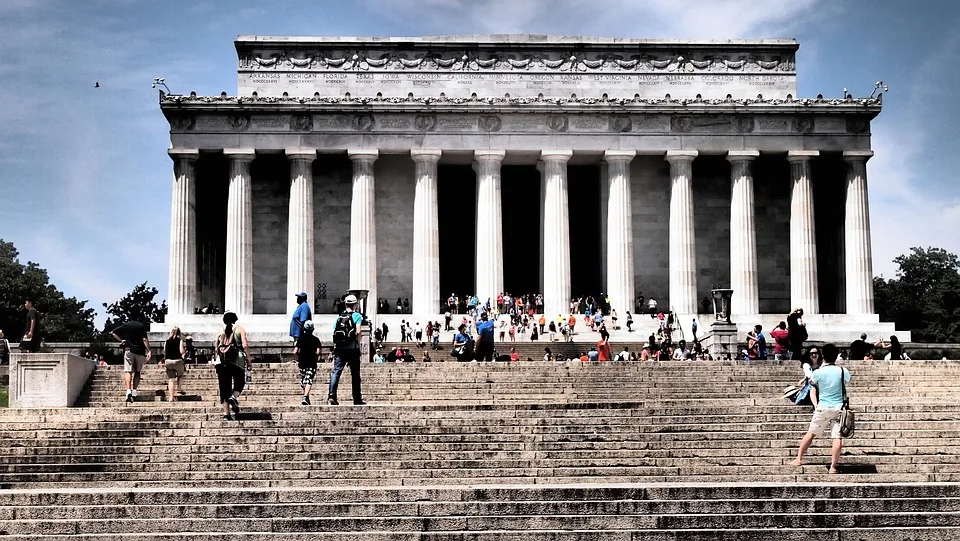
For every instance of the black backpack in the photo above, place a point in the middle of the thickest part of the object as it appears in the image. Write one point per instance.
(228, 349)
(345, 331)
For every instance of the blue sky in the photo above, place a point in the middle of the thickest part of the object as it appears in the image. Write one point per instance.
(86, 180)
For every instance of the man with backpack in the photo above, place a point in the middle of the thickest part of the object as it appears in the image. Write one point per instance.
(830, 381)
(346, 350)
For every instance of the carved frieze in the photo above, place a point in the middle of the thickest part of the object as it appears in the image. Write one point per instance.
(364, 122)
(620, 124)
(857, 125)
(425, 122)
(489, 123)
(744, 124)
(558, 123)
(802, 124)
(301, 122)
(239, 122)
(327, 59)
(183, 122)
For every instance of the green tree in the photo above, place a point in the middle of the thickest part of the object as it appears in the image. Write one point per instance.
(138, 305)
(62, 318)
(924, 298)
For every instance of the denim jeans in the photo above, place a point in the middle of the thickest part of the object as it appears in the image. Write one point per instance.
(340, 359)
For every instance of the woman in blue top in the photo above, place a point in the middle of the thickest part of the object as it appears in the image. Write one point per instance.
(461, 345)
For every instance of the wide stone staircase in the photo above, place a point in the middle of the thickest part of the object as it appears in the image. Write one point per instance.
(531, 450)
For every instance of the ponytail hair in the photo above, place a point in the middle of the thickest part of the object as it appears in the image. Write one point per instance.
(229, 318)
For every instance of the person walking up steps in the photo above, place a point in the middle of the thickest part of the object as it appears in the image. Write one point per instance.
(300, 316)
(307, 351)
(132, 336)
(174, 350)
(830, 381)
(232, 354)
(346, 350)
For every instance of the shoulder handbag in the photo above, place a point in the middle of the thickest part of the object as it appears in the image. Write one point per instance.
(847, 418)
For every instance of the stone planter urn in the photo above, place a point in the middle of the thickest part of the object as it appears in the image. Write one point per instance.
(721, 304)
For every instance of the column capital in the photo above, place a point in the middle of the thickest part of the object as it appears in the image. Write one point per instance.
(801, 155)
(301, 154)
(556, 155)
(183, 153)
(240, 154)
(619, 155)
(742, 155)
(491, 155)
(680, 156)
(363, 154)
(425, 155)
(857, 155)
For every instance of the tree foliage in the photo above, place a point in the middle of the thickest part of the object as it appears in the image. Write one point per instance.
(62, 318)
(924, 298)
(138, 305)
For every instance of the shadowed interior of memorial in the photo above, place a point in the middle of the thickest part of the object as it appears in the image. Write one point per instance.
(521, 228)
(457, 209)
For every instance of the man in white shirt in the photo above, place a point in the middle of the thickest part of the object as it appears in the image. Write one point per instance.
(681, 353)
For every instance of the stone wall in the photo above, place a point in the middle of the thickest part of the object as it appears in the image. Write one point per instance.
(771, 185)
(270, 175)
(395, 186)
(650, 184)
(332, 194)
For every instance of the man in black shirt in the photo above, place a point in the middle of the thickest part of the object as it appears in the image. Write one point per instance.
(307, 351)
(136, 351)
(859, 348)
(31, 331)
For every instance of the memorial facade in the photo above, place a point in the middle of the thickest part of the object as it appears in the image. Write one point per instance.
(418, 167)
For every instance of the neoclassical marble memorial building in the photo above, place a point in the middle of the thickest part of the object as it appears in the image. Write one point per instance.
(418, 167)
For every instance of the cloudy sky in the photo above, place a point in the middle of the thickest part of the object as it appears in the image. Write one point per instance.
(86, 180)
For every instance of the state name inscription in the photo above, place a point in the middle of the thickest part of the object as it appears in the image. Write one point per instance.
(531, 84)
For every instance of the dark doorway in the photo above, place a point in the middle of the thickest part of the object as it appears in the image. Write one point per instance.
(457, 200)
(586, 250)
(520, 200)
(211, 204)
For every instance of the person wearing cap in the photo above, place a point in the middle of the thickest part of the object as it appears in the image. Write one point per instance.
(301, 315)
(307, 351)
(347, 353)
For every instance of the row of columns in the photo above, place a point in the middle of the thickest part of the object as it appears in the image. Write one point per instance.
(555, 239)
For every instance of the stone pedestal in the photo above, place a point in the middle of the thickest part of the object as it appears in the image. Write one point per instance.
(426, 235)
(47, 380)
(743, 233)
(858, 259)
(300, 249)
(683, 244)
(238, 284)
(182, 282)
(723, 340)
(619, 237)
(556, 233)
(489, 225)
(804, 287)
(363, 223)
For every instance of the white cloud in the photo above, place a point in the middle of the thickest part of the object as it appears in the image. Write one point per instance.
(906, 208)
(634, 18)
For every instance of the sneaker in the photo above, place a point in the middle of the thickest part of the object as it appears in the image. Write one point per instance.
(333, 402)
(227, 418)
(305, 401)
(135, 393)
(360, 403)
(129, 397)
(234, 405)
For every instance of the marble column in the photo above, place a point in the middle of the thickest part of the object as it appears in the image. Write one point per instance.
(300, 248)
(744, 279)
(489, 225)
(363, 226)
(556, 233)
(683, 241)
(804, 287)
(858, 258)
(426, 234)
(182, 282)
(620, 286)
(238, 285)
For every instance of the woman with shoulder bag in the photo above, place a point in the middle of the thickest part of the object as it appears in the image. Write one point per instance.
(232, 354)
(173, 352)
